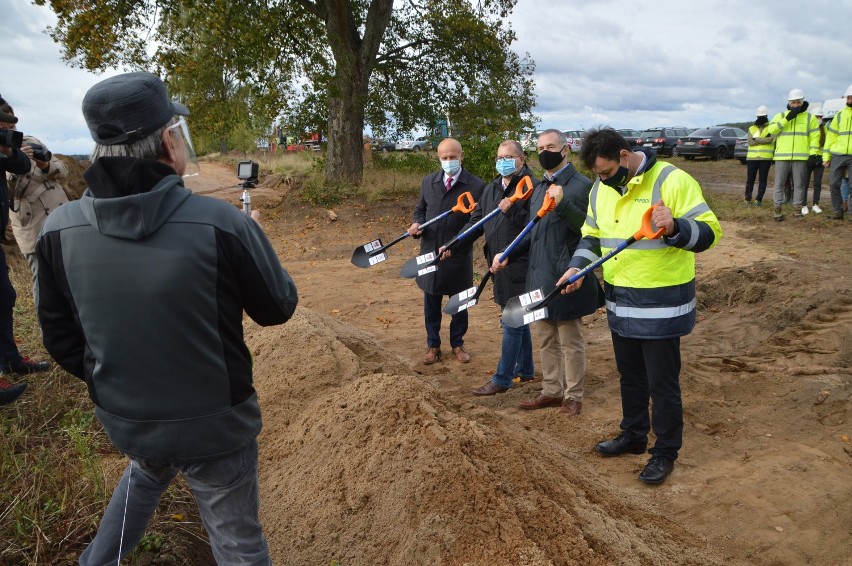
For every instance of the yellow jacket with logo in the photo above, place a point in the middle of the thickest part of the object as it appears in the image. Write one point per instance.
(761, 145)
(650, 286)
(838, 135)
(796, 139)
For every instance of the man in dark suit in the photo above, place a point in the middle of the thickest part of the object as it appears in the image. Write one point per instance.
(439, 192)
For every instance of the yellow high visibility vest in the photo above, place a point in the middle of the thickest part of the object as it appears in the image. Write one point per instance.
(838, 135)
(796, 139)
(761, 151)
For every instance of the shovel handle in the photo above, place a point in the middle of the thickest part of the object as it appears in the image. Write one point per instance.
(523, 190)
(461, 206)
(648, 230)
(547, 205)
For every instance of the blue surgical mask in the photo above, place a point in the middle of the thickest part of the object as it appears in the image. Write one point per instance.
(506, 167)
(451, 166)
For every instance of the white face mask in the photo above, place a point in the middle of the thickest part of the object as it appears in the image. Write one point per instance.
(451, 166)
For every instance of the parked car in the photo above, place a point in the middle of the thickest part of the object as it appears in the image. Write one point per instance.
(528, 141)
(713, 143)
(663, 139)
(741, 150)
(575, 140)
(419, 144)
(632, 136)
(382, 145)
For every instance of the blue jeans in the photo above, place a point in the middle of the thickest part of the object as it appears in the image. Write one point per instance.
(516, 357)
(227, 496)
(844, 189)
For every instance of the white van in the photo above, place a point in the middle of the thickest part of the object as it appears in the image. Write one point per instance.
(832, 106)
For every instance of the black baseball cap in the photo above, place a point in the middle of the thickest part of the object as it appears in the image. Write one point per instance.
(126, 108)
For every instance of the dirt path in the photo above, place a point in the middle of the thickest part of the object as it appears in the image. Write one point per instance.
(369, 457)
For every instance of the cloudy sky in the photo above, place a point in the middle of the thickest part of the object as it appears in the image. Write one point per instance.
(623, 63)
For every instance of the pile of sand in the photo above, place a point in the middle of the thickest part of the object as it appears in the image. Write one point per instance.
(366, 463)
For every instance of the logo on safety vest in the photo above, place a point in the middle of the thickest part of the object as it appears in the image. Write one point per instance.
(642, 200)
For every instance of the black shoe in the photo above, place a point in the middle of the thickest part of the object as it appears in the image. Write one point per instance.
(656, 470)
(622, 445)
(26, 366)
(9, 392)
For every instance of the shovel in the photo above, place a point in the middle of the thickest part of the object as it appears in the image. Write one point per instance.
(529, 307)
(373, 252)
(467, 298)
(427, 263)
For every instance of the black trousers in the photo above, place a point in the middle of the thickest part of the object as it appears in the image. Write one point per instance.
(650, 371)
(757, 169)
(433, 314)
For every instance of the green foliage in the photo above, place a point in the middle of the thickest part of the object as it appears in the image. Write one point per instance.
(408, 161)
(480, 154)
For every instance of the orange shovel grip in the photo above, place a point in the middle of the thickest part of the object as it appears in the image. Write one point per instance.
(648, 230)
(546, 206)
(523, 190)
(461, 206)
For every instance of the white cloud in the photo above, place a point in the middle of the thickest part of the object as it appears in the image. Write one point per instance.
(619, 62)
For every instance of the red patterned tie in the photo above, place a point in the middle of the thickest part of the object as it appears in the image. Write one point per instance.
(449, 183)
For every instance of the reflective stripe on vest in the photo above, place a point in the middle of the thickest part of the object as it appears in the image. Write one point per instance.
(761, 151)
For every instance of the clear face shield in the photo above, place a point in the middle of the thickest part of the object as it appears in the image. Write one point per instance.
(190, 160)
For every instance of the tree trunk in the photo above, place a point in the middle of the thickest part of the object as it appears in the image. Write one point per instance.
(344, 161)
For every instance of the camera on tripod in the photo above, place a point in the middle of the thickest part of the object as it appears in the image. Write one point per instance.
(247, 172)
(40, 153)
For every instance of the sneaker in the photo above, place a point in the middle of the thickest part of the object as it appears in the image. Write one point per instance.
(816, 209)
(805, 210)
(779, 216)
(758, 203)
(26, 366)
(10, 392)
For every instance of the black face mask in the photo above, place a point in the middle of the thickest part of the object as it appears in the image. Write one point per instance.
(550, 159)
(761, 120)
(849, 104)
(619, 179)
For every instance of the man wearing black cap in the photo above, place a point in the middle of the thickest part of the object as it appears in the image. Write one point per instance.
(14, 160)
(142, 288)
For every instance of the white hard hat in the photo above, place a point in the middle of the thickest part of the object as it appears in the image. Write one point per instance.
(796, 94)
(762, 110)
(848, 91)
(816, 109)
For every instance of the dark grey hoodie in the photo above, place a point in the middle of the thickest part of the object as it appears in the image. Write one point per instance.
(142, 287)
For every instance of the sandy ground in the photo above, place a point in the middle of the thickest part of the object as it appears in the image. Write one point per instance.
(369, 457)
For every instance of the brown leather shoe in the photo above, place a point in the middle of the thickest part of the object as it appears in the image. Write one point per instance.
(540, 402)
(489, 388)
(461, 354)
(571, 407)
(432, 356)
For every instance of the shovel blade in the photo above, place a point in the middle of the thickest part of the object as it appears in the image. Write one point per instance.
(461, 301)
(417, 266)
(366, 256)
(521, 310)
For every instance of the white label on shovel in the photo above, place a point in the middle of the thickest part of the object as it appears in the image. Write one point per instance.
(467, 293)
(462, 307)
(426, 270)
(377, 258)
(374, 245)
(421, 259)
(531, 297)
(535, 315)
(471, 303)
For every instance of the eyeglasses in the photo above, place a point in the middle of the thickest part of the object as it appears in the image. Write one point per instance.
(508, 157)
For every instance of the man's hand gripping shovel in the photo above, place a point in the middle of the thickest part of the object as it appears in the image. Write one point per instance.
(373, 252)
(532, 306)
(427, 263)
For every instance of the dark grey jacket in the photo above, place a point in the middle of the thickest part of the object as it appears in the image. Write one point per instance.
(142, 287)
(553, 241)
(499, 233)
(454, 274)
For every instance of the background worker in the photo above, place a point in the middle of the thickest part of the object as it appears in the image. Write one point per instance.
(761, 148)
(815, 167)
(650, 287)
(516, 355)
(439, 192)
(12, 160)
(551, 244)
(141, 293)
(796, 134)
(34, 195)
(837, 154)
